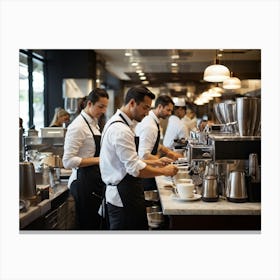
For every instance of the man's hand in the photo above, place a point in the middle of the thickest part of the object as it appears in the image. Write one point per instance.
(170, 170)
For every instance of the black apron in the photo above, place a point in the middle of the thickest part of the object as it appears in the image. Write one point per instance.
(88, 191)
(131, 192)
(150, 183)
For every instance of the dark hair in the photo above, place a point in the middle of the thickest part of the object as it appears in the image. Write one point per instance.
(81, 104)
(95, 94)
(138, 93)
(163, 100)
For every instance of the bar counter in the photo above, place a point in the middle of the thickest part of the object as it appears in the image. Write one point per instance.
(57, 197)
(200, 215)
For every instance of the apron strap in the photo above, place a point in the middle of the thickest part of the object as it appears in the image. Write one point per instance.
(155, 148)
(96, 139)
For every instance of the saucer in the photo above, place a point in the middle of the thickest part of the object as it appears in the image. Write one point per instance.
(195, 197)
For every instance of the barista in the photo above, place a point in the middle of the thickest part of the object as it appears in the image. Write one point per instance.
(148, 131)
(81, 153)
(175, 129)
(190, 120)
(122, 168)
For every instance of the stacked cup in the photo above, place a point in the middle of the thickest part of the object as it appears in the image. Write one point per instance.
(185, 188)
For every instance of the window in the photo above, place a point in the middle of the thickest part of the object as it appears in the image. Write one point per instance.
(38, 93)
(31, 95)
(23, 90)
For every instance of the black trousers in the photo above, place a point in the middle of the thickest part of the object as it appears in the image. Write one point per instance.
(121, 218)
(87, 206)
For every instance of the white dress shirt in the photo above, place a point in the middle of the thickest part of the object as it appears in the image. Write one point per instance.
(175, 130)
(147, 131)
(118, 156)
(79, 143)
(190, 124)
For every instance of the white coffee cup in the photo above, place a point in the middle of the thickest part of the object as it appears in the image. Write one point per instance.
(183, 180)
(181, 175)
(185, 190)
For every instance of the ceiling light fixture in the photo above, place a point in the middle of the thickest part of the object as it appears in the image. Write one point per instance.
(214, 93)
(232, 83)
(206, 96)
(175, 54)
(217, 88)
(128, 53)
(216, 72)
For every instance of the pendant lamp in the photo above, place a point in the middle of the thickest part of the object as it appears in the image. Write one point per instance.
(232, 83)
(215, 92)
(216, 73)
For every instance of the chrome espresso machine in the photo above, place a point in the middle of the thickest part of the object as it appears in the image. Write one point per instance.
(225, 158)
(45, 153)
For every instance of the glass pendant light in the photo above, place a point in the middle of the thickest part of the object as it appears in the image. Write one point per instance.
(216, 73)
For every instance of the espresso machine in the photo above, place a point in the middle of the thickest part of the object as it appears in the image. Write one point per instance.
(45, 153)
(234, 147)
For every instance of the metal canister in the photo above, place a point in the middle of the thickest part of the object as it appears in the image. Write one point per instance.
(27, 185)
(210, 190)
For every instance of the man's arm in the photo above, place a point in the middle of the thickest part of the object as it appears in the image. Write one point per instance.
(150, 171)
(169, 153)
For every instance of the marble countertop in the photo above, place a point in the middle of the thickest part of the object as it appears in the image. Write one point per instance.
(34, 212)
(171, 206)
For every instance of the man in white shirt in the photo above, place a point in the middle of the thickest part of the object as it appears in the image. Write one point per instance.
(175, 129)
(190, 120)
(148, 131)
(121, 167)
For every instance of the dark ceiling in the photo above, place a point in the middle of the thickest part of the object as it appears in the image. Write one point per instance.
(156, 63)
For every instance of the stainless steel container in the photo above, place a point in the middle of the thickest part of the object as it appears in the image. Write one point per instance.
(236, 187)
(27, 184)
(155, 219)
(210, 190)
(151, 195)
(226, 114)
(218, 113)
(230, 111)
(248, 115)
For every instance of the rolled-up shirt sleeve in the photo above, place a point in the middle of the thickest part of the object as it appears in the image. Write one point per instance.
(73, 141)
(127, 154)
